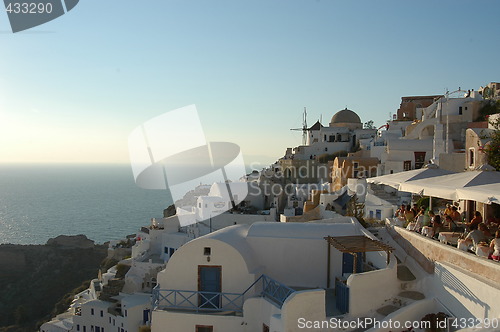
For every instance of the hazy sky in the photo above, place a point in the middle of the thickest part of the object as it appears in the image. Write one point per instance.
(73, 89)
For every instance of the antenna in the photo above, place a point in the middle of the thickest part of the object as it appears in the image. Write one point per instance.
(304, 127)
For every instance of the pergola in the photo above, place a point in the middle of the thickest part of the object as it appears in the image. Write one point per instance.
(352, 245)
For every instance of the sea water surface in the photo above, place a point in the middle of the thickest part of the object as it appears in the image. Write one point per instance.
(41, 201)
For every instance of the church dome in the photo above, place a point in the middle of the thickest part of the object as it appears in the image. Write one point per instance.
(345, 116)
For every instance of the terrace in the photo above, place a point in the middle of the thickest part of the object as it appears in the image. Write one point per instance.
(220, 302)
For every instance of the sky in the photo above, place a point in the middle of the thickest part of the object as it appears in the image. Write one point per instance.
(72, 90)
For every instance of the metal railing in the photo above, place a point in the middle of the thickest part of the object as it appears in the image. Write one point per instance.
(275, 290)
(202, 301)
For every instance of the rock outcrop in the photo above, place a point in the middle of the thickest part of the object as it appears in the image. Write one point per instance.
(35, 277)
(71, 241)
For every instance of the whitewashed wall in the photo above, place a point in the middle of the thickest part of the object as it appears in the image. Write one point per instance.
(179, 322)
(362, 284)
(465, 294)
(309, 304)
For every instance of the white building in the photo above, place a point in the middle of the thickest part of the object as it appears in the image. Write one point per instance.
(438, 133)
(344, 133)
(267, 276)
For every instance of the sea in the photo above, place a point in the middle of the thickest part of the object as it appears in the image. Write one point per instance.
(42, 201)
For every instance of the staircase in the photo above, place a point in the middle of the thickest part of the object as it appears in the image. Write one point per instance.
(408, 284)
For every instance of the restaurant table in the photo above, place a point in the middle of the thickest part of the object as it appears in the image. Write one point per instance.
(412, 226)
(462, 245)
(427, 231)
(483, 250)
(449, 237)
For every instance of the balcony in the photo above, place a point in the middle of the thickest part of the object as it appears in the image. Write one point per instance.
(230, 303)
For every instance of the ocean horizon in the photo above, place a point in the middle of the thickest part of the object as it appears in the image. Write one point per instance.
(101, 201)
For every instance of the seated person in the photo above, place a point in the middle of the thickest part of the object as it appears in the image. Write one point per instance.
(449, 224)
(419, 219)
(476, 220)
(474, 237)
(495, 245)
(409, 215)
(437, 225)
(455, 215)
(448, 210)
(483, 228)
(400, 213)
(415, 209)
(495, 220)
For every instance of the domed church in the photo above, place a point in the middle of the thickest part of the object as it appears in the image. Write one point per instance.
(344, 133)
(346, 118)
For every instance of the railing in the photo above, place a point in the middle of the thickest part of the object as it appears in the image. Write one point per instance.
(197, 300)
(217, 301)
(275, 290)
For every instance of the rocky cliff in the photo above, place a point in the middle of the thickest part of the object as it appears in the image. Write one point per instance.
(34, 278)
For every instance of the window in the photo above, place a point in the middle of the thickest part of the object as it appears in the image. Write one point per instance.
(92, 311)
(460, 110)
(326, 149)
(265, 328)
(204, 328)
(84, 328)
(199, 205)
(78, 327)
(471, 157)
(419, 159)
(407, 165)
(207, 251)
(102, 313)
(355, 174)
(125, 313)
(356, 165)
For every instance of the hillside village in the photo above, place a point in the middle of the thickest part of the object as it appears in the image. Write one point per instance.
(340, 229)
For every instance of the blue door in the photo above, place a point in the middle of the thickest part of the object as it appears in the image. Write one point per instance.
(348, 263)
(145, 316)
(209, 286)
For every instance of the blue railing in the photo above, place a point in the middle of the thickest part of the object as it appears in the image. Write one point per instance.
(217, 301)
(275, 290)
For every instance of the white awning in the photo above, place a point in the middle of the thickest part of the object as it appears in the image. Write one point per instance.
(395, 180)
(480, 186)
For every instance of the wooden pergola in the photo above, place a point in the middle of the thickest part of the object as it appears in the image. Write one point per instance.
(353, 245)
